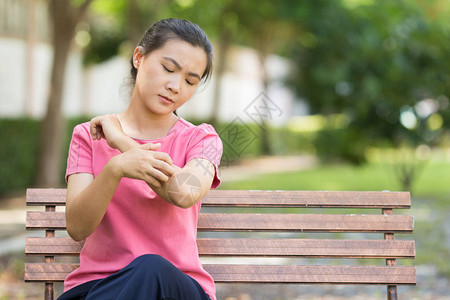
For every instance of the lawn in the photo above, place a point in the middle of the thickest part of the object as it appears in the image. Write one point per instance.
(433, 182)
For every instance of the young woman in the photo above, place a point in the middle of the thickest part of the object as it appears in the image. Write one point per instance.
(135, 180)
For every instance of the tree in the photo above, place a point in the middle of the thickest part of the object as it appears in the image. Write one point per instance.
(117, 26)
(64, 17)
(267, 27)
(385, 66)
(379, 64)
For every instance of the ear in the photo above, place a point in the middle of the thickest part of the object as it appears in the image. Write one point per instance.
(137, 56)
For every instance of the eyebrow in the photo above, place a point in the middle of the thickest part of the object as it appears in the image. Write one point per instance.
(177, 65)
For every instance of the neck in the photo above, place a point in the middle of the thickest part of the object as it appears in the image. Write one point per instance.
(140, 123)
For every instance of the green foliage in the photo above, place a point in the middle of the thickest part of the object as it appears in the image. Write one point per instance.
(115, 27)
(105, 43)
(376, 63)
(345, 144)
(19, 152)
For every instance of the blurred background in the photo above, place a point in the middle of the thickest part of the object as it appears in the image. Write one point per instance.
(305, 95)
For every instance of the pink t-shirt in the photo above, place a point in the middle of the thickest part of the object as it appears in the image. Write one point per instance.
(137, 220)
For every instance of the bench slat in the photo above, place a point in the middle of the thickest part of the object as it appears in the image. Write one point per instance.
(257, 247)
(48, 272)
(312, 274)
(50, 246)
(243, 198)
(47, 196)
(304, 222)
(341, 199)
(54, 272)
(265, 222)
(314, 248)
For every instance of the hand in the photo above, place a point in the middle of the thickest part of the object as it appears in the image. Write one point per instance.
(107, 127)
(144, 163)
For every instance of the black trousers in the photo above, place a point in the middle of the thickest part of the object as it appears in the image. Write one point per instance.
(149, 277)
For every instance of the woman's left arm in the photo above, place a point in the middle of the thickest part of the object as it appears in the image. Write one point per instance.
(189, 184)
(186, 187)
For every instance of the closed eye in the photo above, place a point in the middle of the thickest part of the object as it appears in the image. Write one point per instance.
(168, 70)
(188, 82)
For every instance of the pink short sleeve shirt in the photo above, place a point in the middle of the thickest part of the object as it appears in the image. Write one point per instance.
(137, 220)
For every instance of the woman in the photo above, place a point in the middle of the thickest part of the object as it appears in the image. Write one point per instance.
(135, 180)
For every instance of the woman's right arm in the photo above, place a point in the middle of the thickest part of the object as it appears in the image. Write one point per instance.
(88, 198)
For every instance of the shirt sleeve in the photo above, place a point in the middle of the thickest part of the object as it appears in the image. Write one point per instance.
(79, 159)
(206, 144)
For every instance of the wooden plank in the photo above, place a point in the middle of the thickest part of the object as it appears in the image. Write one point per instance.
(54, 272)
(45, 220)
(305, 222)
(52, 246)
(42, 197)
(235, 247)
(312, 274)
(243, 198)
(344, 199)
(265, 222)
(264, 274)
(317, 248)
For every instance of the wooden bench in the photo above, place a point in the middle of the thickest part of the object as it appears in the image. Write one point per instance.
(285, 218)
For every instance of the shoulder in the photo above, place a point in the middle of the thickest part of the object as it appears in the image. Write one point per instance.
(81, 132)
(82, 128)
(194, 130)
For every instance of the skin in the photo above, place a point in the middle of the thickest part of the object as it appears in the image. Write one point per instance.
(166, 78)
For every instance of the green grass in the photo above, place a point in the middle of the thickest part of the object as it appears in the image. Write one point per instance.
(433, 181)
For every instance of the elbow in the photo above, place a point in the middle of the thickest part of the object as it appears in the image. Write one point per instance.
(74, 230)
(75, 235)
(185, 198)
(184, 204)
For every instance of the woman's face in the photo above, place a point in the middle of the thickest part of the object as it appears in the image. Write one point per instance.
(167, 77)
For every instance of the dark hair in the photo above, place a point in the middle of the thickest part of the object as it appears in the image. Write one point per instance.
(167, 29)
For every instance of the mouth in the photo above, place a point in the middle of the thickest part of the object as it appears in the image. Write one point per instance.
(166, 98)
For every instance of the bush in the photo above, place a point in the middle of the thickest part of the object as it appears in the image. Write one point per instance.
(341, 144)
(19, 152)
(18, 157)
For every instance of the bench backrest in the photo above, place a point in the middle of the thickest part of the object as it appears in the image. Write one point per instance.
(276, 223)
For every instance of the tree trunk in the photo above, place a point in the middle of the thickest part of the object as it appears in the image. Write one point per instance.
(265, 140)
(224, 45)
(134, 28)
(64, 18)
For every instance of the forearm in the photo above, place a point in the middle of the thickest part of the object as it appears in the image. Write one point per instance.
(85, 210)
(124, 143)
(166, 190)
(171, 191)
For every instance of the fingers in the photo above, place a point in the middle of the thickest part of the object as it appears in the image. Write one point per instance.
(159, 176)
(152, 181)
(95, 128)
(164, 157)
(150, 146)
(162, 166)
(159, 167)
(158, 155)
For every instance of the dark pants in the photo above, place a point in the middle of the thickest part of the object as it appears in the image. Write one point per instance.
(148, 277)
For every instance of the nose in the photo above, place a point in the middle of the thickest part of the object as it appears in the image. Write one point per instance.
(174, 84)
